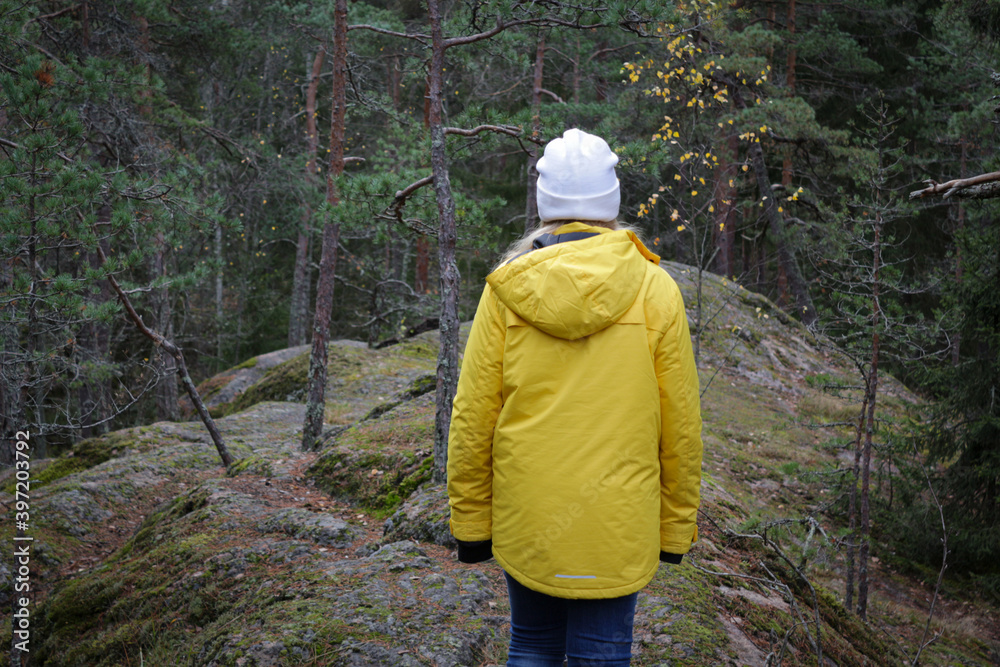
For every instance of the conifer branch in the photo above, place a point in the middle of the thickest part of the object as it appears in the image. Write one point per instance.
(57, 14)
(15, 146)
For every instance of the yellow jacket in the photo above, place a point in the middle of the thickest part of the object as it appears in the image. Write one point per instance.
(576, 430)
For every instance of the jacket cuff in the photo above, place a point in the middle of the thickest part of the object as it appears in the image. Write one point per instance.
(475, 552)
(673, 559)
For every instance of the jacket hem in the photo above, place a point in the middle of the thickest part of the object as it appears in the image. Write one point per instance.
(576, 593)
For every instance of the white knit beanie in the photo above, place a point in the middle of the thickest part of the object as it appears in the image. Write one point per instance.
(576, 179)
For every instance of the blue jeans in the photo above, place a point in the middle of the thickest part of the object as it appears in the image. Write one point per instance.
(546, 629)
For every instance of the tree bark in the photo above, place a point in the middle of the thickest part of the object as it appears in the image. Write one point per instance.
(94, 345)
(220, 275)
(166, 386)
(852, 508)
(956, 336)
(447, 369)
(421, 267)
(315, 401)
(11, 408)
(792, 53)
(299, 310)
(866, 457)
(531, 205)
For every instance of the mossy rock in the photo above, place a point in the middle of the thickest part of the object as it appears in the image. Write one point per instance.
(180, 506)
(254, 464)
(211, 387)
(317, 527)
(289, 381)
(84, 455)
(423, 517)
(377, 481)
(284, 382)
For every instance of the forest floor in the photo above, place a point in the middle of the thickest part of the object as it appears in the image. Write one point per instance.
(147, 552)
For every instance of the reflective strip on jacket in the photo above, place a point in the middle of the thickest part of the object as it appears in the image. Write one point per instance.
(576, 430)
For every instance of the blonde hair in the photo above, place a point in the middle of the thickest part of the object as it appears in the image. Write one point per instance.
(524, 244)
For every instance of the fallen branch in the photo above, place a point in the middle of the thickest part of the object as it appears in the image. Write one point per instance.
(816, 641)
(174, 351)
(955, 187)
(511, 130)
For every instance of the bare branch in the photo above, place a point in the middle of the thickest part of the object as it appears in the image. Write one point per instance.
(501, 26)
(401, 195)
(417, 37)
(511, 130)
(953, 186)
(67, 10)
(552, 95)
(395, 211)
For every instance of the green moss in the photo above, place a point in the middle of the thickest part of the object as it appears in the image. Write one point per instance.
(254, 464)
(377, 481)
(417, 348)
(417, 477)
(84, 455)
(183, 504)
(284, 382)
(249, 363)
(422, 385)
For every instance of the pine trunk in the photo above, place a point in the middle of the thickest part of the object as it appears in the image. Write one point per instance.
(447, 369)
(531, 205)
(786, 253)
(94, 346)
(299, 309)
(315, 400)
(11, 409)
(166, 386)
(852, 508)
(792, 52)
(421, 267)
(956, 336)
(865, 527)
(219, 296)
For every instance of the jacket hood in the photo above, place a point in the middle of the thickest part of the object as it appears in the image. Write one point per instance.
(575, 289)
